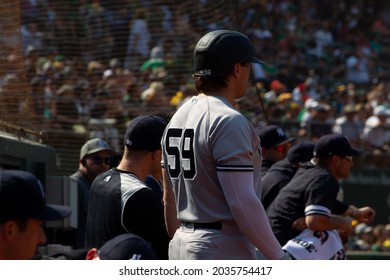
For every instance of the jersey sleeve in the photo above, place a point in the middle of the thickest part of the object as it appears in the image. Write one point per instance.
(232, 145)
(321, 196)
(340, 207)
(143, 214)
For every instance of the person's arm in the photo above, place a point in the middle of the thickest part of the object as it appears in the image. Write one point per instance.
(364, 214)
(249, 213)
(143, 214)
(170, 212)
(340, 208)
(318, 222)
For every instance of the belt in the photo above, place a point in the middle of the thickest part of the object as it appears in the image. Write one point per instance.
(215, 225)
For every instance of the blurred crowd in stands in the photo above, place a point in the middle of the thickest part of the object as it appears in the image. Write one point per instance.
(95, 64)
(370, 238)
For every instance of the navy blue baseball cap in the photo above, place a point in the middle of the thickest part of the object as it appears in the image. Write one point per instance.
(145, 133)
(217, 51)
(22, 197)
(334, 144)
(273, 136)
(301, 152)
(127, 246)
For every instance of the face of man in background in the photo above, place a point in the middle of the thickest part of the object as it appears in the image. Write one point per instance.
(344, 166)
(97, 163)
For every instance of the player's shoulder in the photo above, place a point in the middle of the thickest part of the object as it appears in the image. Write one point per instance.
(312, 174)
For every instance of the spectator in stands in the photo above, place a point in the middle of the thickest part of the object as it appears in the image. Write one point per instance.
(379, 234)
(22, 213)
(98, 35)
(120, 202)
(276, 88)
(31, 56)
(155, 95)
(350, 29)
(376, 130)
(138, 46)
(119, 27)
(323, 38)
(101, 123)
(358, 68)
(31, 36)
(12, 102)
(349, 126)
(318, 121)
(37, 93)
(386, 243)
(363, 238)
(65, 110)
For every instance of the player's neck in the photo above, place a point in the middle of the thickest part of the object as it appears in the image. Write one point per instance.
(137, 168)
(226, 93)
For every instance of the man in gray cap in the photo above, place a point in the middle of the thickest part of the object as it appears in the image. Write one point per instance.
(22, 212)
(95, 158)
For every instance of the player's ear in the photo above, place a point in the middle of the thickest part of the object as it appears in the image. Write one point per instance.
(335, 159)
(236, 69)
(8, 230)
(157, 154)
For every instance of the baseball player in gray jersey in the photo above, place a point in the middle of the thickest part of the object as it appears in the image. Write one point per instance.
(212, 159)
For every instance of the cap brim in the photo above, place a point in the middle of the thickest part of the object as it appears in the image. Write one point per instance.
(356, 152)
(285, 141)
(56, 212)
(126, 246)
(256, 60)
(99, 150)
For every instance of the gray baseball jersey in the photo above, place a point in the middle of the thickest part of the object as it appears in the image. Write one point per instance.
(205, 136)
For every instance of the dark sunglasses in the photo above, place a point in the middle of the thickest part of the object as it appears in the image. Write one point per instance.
(100, 160)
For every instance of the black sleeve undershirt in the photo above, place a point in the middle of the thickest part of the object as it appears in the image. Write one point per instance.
(143, 215)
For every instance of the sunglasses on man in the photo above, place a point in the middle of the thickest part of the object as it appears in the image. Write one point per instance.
(100, 160)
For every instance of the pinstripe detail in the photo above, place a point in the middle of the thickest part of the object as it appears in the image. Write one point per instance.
(317, 210)
(235, 168)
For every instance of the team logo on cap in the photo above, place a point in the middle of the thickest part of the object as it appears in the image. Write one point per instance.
(136, 257)
(280, 131)
(100, 143)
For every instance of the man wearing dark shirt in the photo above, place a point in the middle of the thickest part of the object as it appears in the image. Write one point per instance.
(281, 173)
(95, 158)
(120, 201)
(312, 194)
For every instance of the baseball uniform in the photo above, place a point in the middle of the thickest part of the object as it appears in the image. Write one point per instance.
(207, 137)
